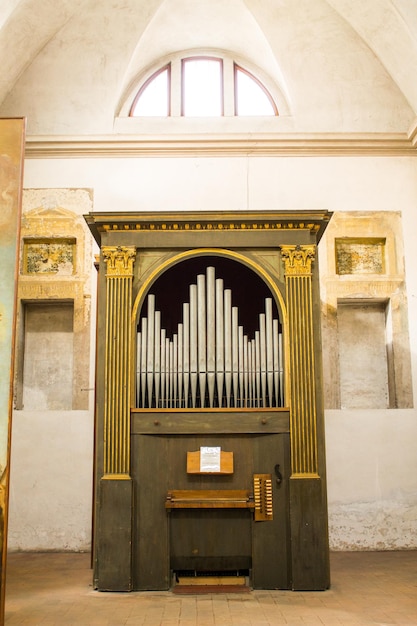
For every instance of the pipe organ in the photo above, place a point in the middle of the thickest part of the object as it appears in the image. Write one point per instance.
(210, 361)
(208, 349)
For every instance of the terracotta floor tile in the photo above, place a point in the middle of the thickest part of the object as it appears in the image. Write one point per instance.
(368, 588)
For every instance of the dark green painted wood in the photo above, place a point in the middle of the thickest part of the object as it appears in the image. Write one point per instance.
(150, 469)
(195, 422)
(271, 539)
(206, 540)
(114, 536)
(309, 540)
(157, 463)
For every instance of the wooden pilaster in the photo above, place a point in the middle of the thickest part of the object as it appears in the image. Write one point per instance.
(115, 489)
(308, 515)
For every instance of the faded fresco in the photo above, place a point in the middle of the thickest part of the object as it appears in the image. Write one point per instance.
(49, 257)
(360, 257)
(11, 169)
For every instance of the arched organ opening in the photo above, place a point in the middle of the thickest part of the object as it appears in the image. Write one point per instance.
(210, 361)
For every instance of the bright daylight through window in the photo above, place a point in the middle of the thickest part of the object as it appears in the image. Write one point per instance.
(206, 83)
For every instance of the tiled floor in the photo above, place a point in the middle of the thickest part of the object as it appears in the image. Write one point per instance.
(367, 588)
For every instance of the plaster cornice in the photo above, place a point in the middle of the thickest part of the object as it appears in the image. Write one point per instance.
(313, 144)
(412, 135)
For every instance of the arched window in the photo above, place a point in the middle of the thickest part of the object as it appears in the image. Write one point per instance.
(204, 86)
(153, 98)
(251, 97)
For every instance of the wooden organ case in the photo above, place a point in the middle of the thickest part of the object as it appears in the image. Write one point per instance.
(209, 418)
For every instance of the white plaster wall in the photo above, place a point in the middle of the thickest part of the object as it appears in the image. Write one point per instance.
(371, 479)
(226, 183)
(50, 505)
(371, 456)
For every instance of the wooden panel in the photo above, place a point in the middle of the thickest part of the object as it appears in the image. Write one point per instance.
(310, 556)
(159, 464)
(207, 422)
(271, 542)
(208, 539)
(114, 537)
(150, 469)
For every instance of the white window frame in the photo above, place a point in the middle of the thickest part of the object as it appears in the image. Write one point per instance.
(229, 67)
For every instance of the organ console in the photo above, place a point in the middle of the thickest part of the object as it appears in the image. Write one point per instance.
(210, 361)
(198, 362)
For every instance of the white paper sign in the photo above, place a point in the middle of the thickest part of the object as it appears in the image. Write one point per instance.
(210, 459)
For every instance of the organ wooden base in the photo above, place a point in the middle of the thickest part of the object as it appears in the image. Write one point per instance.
(210, 443)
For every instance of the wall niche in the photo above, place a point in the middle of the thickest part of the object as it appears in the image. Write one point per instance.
(366, 348)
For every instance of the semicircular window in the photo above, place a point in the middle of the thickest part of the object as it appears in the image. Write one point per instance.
(251, 96)
(202, 86)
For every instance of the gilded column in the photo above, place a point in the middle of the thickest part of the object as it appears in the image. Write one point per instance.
(302, 377)
(119, 277)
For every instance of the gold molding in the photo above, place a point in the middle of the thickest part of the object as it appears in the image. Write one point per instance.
(298, 259)
(240, 144)
(220, 225)
(312, 222)
(116, 477)
(309, 476)
(301, 365)
(119, 279)
(119, 260)
(195, 252)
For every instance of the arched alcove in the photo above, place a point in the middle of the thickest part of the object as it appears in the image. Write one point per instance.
(209, 335)
(171, 289)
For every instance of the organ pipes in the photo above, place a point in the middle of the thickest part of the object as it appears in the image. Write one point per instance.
(209, 362)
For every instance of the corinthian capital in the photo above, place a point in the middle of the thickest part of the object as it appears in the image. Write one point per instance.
(119, 260)
(298, 259)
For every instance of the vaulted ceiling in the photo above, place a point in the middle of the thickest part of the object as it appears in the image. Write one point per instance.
(341, 65)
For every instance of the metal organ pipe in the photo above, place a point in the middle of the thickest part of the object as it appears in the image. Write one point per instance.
(209, 362)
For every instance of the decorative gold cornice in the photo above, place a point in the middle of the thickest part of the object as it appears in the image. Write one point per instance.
(240, 144)
(104, 223)
(298, 259)
(119, 260)
(218, 225)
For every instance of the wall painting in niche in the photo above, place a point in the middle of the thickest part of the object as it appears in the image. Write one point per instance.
(49, 256)
(12, 136)
(360, 256)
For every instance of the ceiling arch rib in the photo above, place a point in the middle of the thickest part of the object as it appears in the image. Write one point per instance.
(390, 35)
(27, 28)
(336, 82)
(6, 9)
